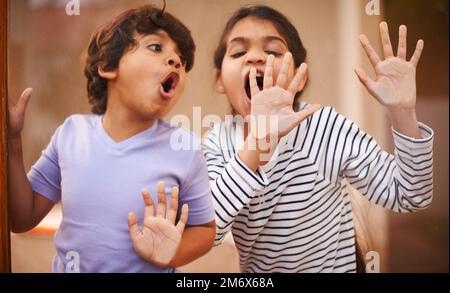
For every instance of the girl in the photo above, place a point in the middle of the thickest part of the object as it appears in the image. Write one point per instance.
(285, 200)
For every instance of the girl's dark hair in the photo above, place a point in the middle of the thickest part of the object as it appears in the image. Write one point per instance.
(110, 41)
(281, 23)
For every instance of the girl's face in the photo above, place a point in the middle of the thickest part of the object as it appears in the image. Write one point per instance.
(248, 45)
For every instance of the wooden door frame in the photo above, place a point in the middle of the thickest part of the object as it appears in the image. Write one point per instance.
(5, 253)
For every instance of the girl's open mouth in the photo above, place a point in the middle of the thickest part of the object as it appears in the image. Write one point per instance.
(259, 81)
(168, 85)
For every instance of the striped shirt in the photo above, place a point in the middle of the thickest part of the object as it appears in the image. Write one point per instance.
(294, 214)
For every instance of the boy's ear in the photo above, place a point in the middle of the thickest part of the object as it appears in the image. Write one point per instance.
(218, 84)
(109, 75)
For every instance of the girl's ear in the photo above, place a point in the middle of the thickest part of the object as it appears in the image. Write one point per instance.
(219, 83)
(109, 75)
(303, 82)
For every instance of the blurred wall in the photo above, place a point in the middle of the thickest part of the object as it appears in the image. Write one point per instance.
(424, 235)
(46, 49)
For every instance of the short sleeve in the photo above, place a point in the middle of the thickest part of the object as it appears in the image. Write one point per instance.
(45, 174)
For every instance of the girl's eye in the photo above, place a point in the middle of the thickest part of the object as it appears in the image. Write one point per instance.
(274, 53)
(155, 47)
(238, 54)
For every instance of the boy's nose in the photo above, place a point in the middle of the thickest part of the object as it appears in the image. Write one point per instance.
(174, 61)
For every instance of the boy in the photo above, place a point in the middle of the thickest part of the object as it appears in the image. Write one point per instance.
(96, 164)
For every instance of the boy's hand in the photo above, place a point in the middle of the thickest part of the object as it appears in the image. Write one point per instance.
(16, 113)
(395, 83)
(159, 238)
(276, 102)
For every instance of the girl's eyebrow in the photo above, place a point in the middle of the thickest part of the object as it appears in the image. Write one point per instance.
(274, 38)
(266, 39)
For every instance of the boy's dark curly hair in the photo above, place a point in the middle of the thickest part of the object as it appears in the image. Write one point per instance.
(110, 41)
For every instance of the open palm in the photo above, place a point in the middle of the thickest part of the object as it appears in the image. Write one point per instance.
(159, 239)
(272, 113)
(395, 82)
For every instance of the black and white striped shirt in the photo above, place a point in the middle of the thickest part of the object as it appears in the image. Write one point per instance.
(294, 214)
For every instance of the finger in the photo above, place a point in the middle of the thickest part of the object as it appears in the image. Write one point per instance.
(386, 40)
(401, 50)
(284, 71)
(417, 53)
(268, 72)
(149, 205)
(183, 218)
(370, 52)
(368, 83)
(133, 226)
(298, 82)
(173, 209)
(161, 210)
(254, 89)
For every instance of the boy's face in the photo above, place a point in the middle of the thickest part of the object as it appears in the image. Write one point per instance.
(149, 78)
(248, 45)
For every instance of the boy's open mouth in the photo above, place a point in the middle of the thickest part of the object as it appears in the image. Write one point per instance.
(259, 81)
(169, 84)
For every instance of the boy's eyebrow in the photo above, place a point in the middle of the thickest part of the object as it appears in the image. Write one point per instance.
(161, 34)
(266, 39)
(157, 33)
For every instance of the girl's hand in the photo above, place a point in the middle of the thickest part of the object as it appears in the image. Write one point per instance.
(16, 113)
(159, 238)
(272, 113)
(395, 83)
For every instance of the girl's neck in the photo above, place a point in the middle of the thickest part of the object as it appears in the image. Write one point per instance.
(245, 130)
(121, 124)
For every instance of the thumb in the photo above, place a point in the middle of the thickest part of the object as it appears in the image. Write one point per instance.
(133, 226)
(306, 112)
(368, 83)
(24, 100)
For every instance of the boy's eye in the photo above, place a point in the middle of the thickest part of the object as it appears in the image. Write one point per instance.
(155, 47)
(238, 54)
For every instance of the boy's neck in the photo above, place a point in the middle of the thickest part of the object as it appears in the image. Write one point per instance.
(121, 125)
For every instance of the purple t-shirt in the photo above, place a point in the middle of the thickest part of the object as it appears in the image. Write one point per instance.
(98, 181)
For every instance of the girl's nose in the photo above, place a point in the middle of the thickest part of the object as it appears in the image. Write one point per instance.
(256, 57)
